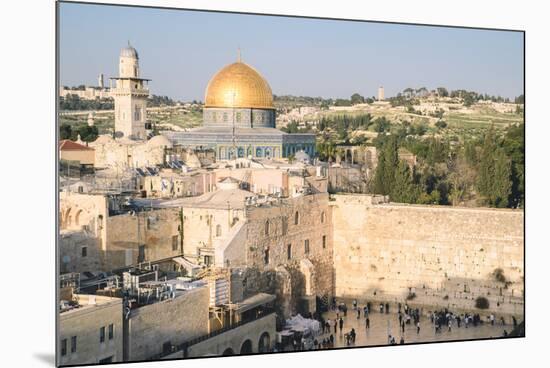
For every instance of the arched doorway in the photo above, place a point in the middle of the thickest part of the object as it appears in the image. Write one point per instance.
(246, 347)
(228, 351)
(264, 345)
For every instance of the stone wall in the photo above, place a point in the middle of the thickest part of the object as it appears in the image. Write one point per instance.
(445, 256)
(173, 320)
(234, 339)
(157, 230)
(79, 251)
(268, 239)
(85, 324)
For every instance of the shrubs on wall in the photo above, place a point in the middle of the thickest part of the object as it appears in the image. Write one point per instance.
(482, 302)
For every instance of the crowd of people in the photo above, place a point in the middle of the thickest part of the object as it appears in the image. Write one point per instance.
(406, 316)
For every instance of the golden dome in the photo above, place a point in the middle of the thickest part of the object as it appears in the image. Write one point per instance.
(239, 85)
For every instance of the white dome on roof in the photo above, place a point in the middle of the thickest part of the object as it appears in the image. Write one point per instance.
(129, 51)
(103, 139)
(159, 141)
(193, 161)
(302, 157)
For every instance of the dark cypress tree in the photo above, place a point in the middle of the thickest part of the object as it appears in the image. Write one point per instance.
(502, 184)
(486, 166)
(403, 189)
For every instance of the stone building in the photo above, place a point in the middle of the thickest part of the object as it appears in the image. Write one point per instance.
(232, 228)
(90, 330)
(130, 95)
(72, 151)
(239, 119)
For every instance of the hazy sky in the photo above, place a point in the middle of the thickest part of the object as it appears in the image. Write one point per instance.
(181, 50)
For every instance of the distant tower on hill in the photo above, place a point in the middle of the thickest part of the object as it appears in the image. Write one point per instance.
(100, 81)
(130, 95)
(380, 93)
(90, 119)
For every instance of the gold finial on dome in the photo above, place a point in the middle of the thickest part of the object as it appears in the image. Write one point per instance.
(238, 85)
(238, 54)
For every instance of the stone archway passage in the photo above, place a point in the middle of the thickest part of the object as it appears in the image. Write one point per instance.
(246, 347)
(264, 345)
(228, 351)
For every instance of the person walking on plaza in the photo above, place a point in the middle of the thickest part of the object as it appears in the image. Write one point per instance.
(341, 324)
(367, 323)
(366, 311)
(358, 313)
(335, 325)
(402, 341)
(400, 317)
(417, 328)
(403, 326)
(450, 324)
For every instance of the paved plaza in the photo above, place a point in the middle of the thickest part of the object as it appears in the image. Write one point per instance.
(377, 334)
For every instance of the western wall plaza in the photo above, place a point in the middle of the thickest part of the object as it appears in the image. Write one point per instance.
(248, 230)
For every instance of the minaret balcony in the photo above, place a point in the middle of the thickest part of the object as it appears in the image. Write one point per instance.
(134, 91)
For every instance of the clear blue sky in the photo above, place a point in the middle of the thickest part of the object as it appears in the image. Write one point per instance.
(180, 50)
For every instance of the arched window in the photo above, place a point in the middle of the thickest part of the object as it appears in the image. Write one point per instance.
(218, 230)
(266, 229)
(289, 251)
(296, 218)
(323, 217)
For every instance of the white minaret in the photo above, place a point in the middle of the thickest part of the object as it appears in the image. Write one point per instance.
(380, 93)
(100, 81)
(130, 95)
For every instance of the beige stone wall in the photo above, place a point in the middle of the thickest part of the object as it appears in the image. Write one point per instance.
(314, 223)
(155, 229)
(83, 212)
(85, 157)
(173, 320)
(444, 255)
(234, 339)
(206, 228)
(72, 258)
(85, 324)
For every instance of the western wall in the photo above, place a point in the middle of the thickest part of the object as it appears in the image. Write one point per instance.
(438, 256)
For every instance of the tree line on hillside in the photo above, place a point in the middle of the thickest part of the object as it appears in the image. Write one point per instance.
(489, 170)
(73, 102)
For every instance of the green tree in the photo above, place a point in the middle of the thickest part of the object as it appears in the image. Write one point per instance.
(88, 133)
(502, 185)
(65, 131)
(403, 189)
(356, 98)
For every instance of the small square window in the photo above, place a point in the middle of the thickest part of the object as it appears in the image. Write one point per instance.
(111, 331)
(84, 251)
